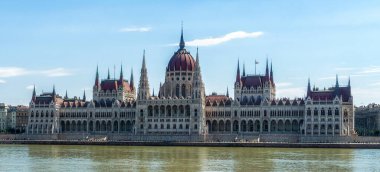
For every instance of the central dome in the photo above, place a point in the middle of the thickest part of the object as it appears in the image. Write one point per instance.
(181, 60)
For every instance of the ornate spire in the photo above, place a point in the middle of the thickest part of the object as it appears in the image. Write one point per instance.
(143, 63)
(336, 81)
(121, 73)
(267, 69)
(144, 92)
(34, 93)
(349, 81)
(84, 95)
(308, 87)
(197, 63)
(159, 90)
(238, 72)
(227, 94)
(271, 72)
(131, 80)
(66, 97)
(153, 92)
(182, 42)
(54, 94)
(243, 68)
(108, 76)
(97, 76)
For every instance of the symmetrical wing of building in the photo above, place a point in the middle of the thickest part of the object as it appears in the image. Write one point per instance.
(182, 108)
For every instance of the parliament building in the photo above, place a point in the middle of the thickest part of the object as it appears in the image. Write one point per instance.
(181, 109)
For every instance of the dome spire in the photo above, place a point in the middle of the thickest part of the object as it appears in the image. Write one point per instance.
(182, 42)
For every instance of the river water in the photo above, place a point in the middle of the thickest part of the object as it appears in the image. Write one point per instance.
(124, 158)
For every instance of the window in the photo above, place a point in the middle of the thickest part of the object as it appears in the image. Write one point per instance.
(195, 127)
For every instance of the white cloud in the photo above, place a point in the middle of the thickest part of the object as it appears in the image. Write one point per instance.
(370, 70)
(29, 87)
(2, 81)
(135, 29)
(225, 38)
(57, 72)
(6, 72)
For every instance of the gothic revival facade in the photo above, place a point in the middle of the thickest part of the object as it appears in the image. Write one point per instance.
(182, 108)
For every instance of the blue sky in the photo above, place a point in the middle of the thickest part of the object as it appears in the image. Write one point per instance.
(61, 42)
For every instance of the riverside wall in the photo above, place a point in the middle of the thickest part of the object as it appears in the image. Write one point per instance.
(231, 139)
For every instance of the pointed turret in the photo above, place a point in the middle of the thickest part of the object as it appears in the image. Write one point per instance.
(197, 64)
(243, 68)
(267, 69)
(159, 90)
(271, 73)
(227, 94)
(308, 87)
(84, 95)
(349, 81)
(108, 76)
(131, 81)
(34, 94)
(182, 42)
(97, 83)
(198, 86)
(238, 73)
(121, 73)
(54, 94)
(144, 92)
(153, 92)
(66, 97)
(336, 81)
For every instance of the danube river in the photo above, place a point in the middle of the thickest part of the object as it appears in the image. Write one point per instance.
(124, 158)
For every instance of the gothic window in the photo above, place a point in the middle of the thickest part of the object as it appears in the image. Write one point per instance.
(177, 90)
(323, 112)
(195, 112)
(336, 112)
(308, 112)
(183, 90)
(315, 112)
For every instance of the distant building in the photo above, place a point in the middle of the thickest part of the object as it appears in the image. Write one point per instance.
(181, 106)
(21, 118)
(11, 118)
(3, 117)
(367, 119)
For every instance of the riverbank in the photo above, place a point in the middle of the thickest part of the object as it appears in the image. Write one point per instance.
(197, 144)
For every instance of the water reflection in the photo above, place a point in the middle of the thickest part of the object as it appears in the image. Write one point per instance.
(123, 158)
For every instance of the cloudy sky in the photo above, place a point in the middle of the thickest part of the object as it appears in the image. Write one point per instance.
(61, 42)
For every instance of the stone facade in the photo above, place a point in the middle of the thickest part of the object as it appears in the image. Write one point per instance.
(3, 116)
(182, 110)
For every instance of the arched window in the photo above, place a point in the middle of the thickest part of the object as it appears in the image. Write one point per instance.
(315, 112)
(308, 112)
(177, 90)
(183, 90)
(337, 112)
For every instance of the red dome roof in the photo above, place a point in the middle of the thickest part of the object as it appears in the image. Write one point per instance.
(181, 61)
